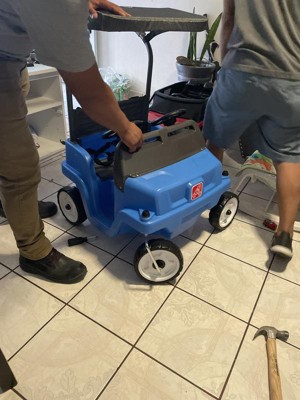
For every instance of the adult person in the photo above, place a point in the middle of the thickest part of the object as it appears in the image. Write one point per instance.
(259, 82)
(57, 30)
(46, 208)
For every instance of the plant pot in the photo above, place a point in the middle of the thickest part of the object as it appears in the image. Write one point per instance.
(200, 74)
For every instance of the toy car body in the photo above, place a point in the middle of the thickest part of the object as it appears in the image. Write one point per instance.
(161, 189)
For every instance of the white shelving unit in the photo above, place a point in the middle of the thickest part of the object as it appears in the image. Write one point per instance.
(46, 115)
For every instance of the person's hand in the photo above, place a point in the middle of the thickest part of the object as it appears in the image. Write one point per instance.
(105, 5)
(132, 137)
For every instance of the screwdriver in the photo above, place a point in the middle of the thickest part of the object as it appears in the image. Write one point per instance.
(81, 239)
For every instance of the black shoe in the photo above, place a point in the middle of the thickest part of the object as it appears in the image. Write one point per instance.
(282, 245)
(56, 267)
(46, 209)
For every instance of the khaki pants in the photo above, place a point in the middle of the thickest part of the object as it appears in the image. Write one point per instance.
(19, 164)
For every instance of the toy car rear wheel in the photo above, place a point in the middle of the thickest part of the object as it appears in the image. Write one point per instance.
(222, 215)
(71, 206)
(167, 256)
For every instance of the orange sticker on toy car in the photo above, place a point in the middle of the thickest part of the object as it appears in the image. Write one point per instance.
(197, 191)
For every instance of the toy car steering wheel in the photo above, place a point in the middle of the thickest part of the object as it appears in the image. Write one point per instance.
(169, 118)
(109, 134)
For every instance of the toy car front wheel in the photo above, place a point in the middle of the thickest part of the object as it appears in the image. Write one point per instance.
(70, 204)
(167, 256)
(222, 215)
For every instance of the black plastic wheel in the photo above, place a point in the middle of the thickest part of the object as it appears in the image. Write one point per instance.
(222, 215)
(70, 204)
(167, 256)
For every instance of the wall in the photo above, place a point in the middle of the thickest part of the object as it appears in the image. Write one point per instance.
(126, 53)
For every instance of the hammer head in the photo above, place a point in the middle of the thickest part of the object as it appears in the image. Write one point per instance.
(272, 333)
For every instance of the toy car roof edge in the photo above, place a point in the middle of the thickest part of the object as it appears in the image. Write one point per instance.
(143, 19)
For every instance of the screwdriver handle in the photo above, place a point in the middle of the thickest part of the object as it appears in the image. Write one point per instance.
(77, 240)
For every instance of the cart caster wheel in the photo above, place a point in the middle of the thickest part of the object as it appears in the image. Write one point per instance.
(167, 256)
(222, 215)
(70, 204)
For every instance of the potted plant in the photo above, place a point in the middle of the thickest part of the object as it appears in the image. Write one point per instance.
(199, 70)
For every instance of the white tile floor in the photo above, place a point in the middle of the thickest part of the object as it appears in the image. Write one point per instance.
(113, 337)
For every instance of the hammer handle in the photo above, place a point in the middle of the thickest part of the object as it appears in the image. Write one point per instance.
(273, 371)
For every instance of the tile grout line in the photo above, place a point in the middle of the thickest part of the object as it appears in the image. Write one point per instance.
(237, 259)
(233, 363)
(255, 196)
(19, 394)
(144, 330)
(247, 328)
(174, 286)
(134, 347)
(253, 223)
(39, 330)
(64, 304)
(115, 256)
(99, 324)
(176, 373)
(212, 305)
(114, 374)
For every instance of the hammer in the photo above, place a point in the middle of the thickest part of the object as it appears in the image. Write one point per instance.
(271, 334)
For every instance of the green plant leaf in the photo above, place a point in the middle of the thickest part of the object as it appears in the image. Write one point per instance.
(191, 53)
(210, 36)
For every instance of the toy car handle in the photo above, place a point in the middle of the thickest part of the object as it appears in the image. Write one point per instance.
(165, 134)
(161, 148)
(161, 120)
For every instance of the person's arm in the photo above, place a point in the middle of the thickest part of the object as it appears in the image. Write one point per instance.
(68, 49)
(226, 25)
(99, 103)
(105, 5)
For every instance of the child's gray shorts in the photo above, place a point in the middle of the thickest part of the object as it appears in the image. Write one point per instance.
(241, 99)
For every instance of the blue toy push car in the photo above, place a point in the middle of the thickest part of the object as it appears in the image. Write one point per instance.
(164, 187)
(161, 189)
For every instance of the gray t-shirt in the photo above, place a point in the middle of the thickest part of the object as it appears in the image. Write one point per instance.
(56, 29)
(266, 38)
